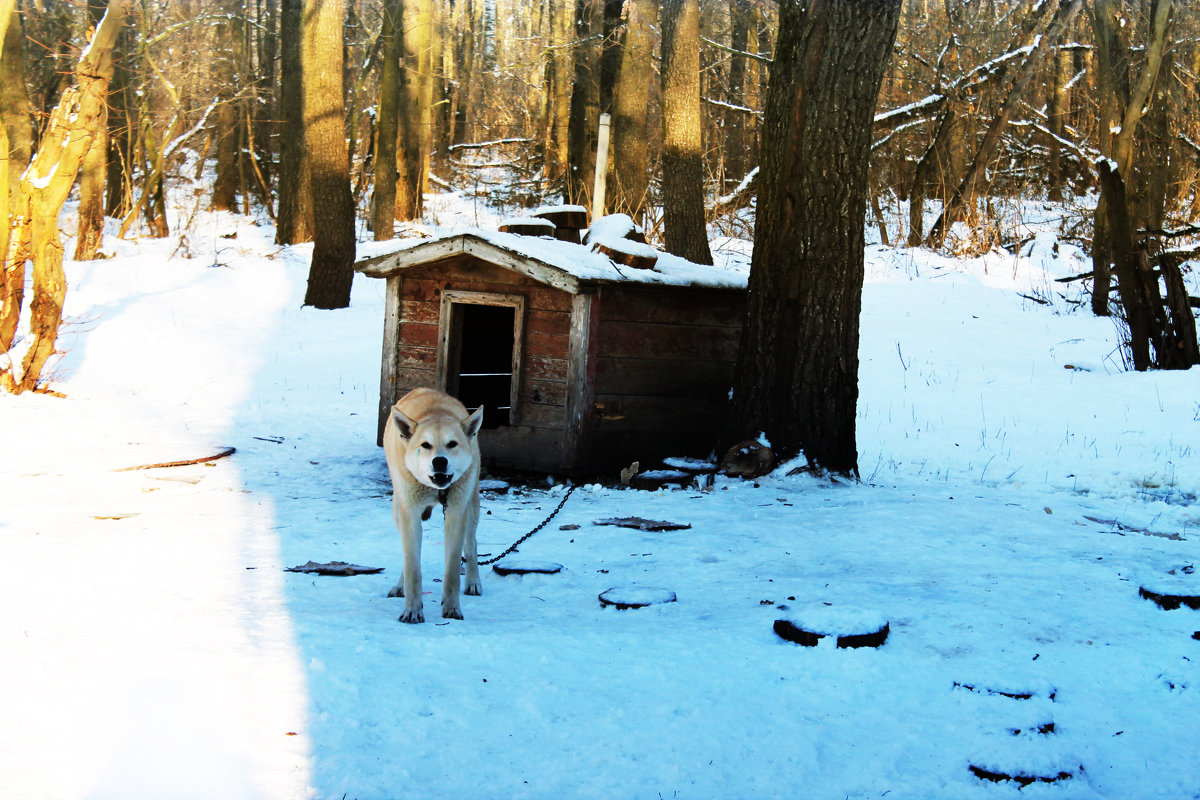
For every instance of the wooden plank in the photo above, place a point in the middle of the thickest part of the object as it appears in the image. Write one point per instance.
(425, 289)
(581, 375)
(632, 413)
(542, 368)
(524, 448)
(392, 264)
(644, 340)
(539, 271)
(548, 393)
(556, 322)
(547, 345)
(419, 311)
(390, 356)
(680, 305)
(414, 334)
(616, 450)
(679, 378)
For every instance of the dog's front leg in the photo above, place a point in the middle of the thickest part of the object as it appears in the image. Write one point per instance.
(471, 548)
(409, 586)
(450, 579)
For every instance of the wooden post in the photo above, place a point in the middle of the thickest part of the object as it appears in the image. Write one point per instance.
(601, 167)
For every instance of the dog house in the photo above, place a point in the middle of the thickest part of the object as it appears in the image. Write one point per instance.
(583, 364)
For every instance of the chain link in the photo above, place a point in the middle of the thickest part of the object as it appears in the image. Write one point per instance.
(513, 547)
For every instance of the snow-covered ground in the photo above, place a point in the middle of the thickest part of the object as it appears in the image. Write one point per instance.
(1018, 489)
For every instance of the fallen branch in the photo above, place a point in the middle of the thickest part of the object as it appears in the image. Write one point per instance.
(225, 451)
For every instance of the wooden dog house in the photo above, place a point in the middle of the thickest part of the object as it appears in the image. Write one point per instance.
(582, 364)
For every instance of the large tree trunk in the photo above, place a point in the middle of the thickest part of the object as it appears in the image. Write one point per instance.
(45, 186)
(682, 157)
(225, 184)
(797, 372)
(295, 220)
(383, 202)
(630, 186)
(332, 269)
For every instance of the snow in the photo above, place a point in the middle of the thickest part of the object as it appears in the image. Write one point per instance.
(152, 645)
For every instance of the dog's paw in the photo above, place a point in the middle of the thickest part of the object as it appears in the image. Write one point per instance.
(473, 588)
(396, 591)
(413, 615)
(451, 612)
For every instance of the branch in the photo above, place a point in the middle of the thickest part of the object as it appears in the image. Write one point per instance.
(756, 56)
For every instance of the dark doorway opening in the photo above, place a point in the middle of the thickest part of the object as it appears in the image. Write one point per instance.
(482, 357)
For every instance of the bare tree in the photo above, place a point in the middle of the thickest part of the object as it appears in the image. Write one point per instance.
(76, 121)
(631, 101)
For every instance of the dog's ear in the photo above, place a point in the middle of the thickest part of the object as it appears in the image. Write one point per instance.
(474, 422)
(406, 425)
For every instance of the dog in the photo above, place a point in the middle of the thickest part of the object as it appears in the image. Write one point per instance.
(432, 449)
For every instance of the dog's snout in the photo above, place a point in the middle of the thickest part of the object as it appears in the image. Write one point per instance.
(440, 464)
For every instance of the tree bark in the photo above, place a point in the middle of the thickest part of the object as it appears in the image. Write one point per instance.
(225, 184)
(45, 186)
(682, 157)
(331, 271)
(295, 221)
(630, 185)
(585, 102)
(383, 203)
(797, 372)
(415, 110)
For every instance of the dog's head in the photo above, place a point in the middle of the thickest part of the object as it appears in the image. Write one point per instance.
(438, 449)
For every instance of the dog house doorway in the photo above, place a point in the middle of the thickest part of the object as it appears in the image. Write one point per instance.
(480, 352)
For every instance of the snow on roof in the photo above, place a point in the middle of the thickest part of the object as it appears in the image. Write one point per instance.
(561, 264)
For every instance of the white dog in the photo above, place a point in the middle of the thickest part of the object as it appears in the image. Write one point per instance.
(432, 449)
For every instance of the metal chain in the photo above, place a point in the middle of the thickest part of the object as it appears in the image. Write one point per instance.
(512, 548)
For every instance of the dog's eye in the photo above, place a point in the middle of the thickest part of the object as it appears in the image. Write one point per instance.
(451, 445)
(426, 446)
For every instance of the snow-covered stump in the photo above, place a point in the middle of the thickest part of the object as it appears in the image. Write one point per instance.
(849, 627)
(1022, 747)
(1175, 589)
(627, 597)
(527, 568)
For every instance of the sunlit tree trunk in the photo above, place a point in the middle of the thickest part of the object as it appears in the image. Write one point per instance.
(630, 186)
(682, 157)
(45, 186)
(331, 271)
(383, 202)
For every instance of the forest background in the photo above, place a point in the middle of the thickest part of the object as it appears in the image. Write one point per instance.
(983, 104)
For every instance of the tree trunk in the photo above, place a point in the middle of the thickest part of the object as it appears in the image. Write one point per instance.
(797, 371)
(585, 102)
(630, 185)
(734, 122)
(225, 184)
(682, 157)
(383, 203)
(45, 186)
(1059, 109)
(415, 110)
(332, 269)
(295, 221)
(1122, 106)
(558, 122)
(10, 288)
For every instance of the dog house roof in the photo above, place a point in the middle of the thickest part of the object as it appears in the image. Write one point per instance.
(563, 265)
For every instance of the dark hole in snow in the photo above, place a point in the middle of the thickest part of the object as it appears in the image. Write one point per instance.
(1020, 778)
